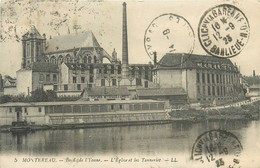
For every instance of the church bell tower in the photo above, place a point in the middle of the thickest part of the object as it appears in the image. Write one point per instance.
(33, 46)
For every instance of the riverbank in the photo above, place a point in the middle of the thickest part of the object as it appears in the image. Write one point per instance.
(249, 111)
(28, 128)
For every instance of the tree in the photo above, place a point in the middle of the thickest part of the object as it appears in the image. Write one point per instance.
(5, 99)
(38, 95)
(52, 96)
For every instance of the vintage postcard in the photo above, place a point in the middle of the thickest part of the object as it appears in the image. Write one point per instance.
(134, 83)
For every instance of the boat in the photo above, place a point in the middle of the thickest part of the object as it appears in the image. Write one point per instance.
(20, 126)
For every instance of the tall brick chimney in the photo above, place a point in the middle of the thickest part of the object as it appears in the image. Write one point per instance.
(124, 44)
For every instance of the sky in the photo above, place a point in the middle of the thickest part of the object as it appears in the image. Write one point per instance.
(104, 19)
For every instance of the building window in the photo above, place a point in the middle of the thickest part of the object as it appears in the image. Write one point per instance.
(209, 93)
(55, 87)
(217, 79)
(103, 82)
(91, 69)
(146, 84)
(112, 107)
(113, 82)
(53, 60)
(54, 78)
(133, 71)
(213, 90)
(203, 78)
(220, 78)
(218, 90)
(138, 82)
(203, 90)
(140, 71)
(85, 59)
(74, 79)
(48, 78)
(91, 79)
(25, 109)
(112, 69)
(198, 77)
(39, 109)
(120, 106)
(208, 77)
(82, 79)
(28, 50)
(65, 87)
(89, 59)
(119, 70)
(198, 89)
(105, 69)
(41, 77)
(213, 78)
(78, 86)
(10, 109)
(146, 76)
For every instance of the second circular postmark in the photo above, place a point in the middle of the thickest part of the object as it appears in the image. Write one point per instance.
(223, 31)
(217, 148)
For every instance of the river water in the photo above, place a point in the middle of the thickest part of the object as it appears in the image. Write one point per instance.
(175, 139)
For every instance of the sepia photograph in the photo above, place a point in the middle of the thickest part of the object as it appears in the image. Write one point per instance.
(129, 83)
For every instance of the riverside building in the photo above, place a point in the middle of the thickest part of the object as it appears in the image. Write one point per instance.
(205, 79)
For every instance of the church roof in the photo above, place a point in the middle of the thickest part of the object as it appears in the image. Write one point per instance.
(69, 41)
(178, 60)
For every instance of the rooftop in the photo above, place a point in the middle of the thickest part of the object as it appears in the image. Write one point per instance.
(70, 41)
(107, 91)
(160, 92)
(42, 67)
(22, 104)
(178, 60)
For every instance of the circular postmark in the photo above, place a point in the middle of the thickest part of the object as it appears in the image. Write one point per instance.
(217, 148)
(169, 33)
(223, 31)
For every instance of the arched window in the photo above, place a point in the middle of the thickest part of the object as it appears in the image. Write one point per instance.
(85, 59)
(60, 59)
(89, 59)
(53, 60)
(95, 59)
(68, 58)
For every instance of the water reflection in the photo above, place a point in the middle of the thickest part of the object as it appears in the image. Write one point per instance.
(177, 137)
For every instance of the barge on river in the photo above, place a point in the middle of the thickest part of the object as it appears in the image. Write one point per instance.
(84, 112)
